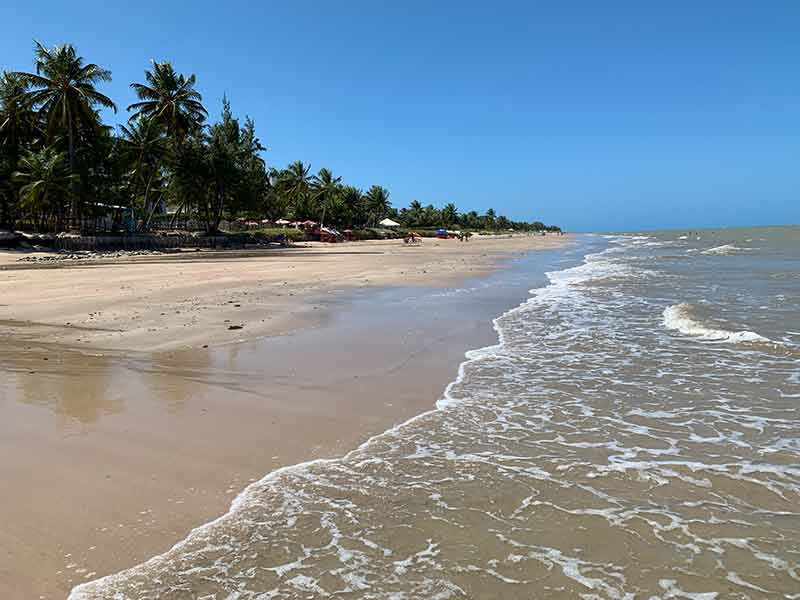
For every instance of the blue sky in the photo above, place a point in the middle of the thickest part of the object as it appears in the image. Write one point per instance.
(592, 115)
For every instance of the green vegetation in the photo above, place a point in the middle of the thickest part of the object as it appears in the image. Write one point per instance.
(62, 168)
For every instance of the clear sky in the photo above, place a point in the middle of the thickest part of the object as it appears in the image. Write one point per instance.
(593, 115)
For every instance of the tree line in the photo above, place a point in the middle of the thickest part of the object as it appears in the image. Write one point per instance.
(61, 165)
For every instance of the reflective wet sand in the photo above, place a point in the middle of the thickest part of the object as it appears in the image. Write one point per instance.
(109, 458)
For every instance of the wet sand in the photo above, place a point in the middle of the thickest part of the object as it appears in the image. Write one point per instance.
(110, 452)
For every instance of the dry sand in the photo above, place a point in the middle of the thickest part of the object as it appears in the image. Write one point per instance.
(172, 301)
(120, 431)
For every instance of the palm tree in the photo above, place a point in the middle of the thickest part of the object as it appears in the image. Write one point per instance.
(294, 184)
(414, 213)
(169, 98)
(378, 204)
(63, 90)
(449, 215)
(17, 131)
(326, 189)
(144, 147)
(17, 121)
(353, 201)
(431, 217)
(471, 220)
(44, 181)
(489, 218)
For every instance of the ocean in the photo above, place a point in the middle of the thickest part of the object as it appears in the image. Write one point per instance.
(633, 434)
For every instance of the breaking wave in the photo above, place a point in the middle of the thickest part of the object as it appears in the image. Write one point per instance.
(724, 250)
(681, 318)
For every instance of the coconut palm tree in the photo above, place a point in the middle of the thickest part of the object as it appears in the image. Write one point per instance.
(353, 204)
(471, 220)
(411, 216)
(17, 131)
(17, 121)
(488, 220)
(449, 215)
(325, 189)
(63, 89)
(378, 205)
(169, 98)
(431, 216)
(45, 181)
(294, 184)
(144, 147)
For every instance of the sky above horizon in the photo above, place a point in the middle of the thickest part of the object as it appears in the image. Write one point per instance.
(594, 116)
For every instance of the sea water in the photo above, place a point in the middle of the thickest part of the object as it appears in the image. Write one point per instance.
(633, 434)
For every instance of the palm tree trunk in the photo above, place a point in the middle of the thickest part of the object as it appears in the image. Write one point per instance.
(150, 216)
(175, 216)
(75, 223)
(146, 207)
(217, 213)
(44, 214)
(178, 143)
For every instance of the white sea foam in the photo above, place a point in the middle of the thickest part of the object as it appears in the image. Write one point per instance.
(679, 317)
(672, 590)
(724, 250)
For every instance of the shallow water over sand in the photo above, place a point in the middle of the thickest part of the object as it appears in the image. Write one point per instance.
(634, 434)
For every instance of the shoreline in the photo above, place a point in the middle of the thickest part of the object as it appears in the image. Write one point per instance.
(79, 592)
(222, 417)
(89, 590)
(159, 303)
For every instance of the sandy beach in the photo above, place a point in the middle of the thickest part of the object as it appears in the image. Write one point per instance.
(133, 412)
(197, 298)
